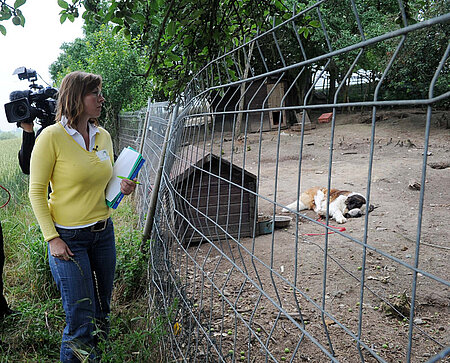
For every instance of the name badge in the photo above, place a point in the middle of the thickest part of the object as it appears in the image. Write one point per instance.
(102, 155)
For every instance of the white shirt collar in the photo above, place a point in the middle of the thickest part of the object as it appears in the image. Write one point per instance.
(93, 130)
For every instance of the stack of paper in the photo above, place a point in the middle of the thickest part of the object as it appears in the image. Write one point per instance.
(127, 166)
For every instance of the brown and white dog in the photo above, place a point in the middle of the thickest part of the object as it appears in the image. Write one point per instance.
(343, 204)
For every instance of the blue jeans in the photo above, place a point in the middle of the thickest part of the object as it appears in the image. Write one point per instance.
(85, 283)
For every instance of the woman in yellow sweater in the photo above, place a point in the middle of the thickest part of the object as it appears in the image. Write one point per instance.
(75, 156)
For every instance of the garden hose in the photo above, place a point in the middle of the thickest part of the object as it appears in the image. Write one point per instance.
(9, 196)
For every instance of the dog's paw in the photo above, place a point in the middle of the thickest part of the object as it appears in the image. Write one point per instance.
(341, 220)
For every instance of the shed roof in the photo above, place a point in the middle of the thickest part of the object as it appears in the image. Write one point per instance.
(194, 159)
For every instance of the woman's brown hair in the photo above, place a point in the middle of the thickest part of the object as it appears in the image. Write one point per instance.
(74, 87)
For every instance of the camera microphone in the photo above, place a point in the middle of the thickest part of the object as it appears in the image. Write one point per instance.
(15, 95)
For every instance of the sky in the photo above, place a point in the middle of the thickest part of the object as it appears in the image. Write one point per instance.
(34, 46)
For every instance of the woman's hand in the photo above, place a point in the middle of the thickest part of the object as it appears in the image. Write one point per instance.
(127, 186)
(59, 249)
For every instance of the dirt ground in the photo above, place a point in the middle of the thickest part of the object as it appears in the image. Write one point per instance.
(288, 268)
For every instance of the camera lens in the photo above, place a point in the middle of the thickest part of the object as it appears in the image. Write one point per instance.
(21, 110)
(18, 110)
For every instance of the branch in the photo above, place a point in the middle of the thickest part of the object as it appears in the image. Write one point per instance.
(161, 31)
(241, 24)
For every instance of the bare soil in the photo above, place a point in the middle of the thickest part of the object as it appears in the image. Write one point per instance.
(290, 267)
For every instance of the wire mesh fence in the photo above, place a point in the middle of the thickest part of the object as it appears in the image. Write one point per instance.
(239, 269)
(145, 131)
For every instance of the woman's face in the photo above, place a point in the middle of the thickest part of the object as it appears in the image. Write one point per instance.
(92, 103)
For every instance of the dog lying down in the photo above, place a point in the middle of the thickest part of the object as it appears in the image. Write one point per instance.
(343, 204)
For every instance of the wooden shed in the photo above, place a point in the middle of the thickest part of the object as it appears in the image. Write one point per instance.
(214, 198)
(259, 95)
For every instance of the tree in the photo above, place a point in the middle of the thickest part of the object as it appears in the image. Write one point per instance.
(411, 75)
(180, 36)
(8, 135)
(117, 60)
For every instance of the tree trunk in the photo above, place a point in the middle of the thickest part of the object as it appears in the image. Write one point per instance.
(237, 128)
(332, 86)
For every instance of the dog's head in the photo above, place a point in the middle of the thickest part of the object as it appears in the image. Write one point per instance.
(356, 206)
(355, 201)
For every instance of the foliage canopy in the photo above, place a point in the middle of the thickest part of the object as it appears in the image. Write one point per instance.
(117, 60)
(173, 40)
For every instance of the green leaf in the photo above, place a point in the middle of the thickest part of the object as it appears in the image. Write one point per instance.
(16, 20)
(279, 5)
(197, 13)
(63, 4)
(110, 13)
(63, 18)
(171, 28)
(5, 15)
(108, 16)
(173, 57)
(232, 75)
(314, 23)
(83, 352)
(278, 21)
(187, 40)
(19, 3)
(171, 83)
(168, 63)
(2, 30)
(117, 21)
(22, 20)
(306, 33)
(116, 29)
(139, 18)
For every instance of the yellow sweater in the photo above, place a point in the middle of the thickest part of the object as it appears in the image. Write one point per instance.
(78, 179)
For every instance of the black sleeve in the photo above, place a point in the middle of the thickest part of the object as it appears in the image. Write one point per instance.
(28, 139)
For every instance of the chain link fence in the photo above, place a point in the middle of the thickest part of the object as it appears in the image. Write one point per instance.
(236, 274)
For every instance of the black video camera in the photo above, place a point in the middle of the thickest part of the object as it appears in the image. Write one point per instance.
(27, 105)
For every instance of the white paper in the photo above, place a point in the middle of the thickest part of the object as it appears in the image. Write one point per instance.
(122, 167)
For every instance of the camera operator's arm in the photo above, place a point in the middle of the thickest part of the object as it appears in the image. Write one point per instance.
(28, 139)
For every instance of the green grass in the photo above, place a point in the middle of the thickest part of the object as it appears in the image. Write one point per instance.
(34, 334)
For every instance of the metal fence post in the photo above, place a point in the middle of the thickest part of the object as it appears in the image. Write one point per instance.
(144, 133)
(155, 190)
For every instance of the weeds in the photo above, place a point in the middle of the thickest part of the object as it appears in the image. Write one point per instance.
(131, 270)
(137, 340)
(34, 335)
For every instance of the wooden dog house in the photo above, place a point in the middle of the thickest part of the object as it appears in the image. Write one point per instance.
(214, 198)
